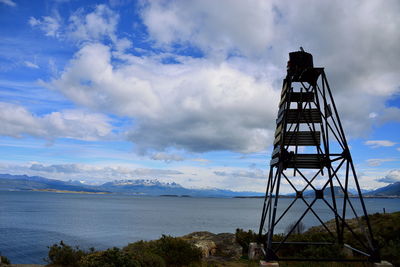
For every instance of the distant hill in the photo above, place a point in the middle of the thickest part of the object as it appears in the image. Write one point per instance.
(151, 187)
(25, 182)
(392, 190)
(155, 187)
(389, 190)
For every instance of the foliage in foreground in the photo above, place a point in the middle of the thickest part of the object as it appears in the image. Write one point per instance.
(4, 260)
(166, 251)
(385, 228)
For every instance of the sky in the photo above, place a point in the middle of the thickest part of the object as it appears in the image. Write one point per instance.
(187, 90)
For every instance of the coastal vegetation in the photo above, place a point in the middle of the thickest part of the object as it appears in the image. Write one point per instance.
(166, 251)
(205, 249)
(385, 228)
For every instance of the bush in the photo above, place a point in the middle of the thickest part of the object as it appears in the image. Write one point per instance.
(149, 259)
(113, 257)
(176, 251)
(244, 239)
(295, 228)
(166, 251)
(64, 255)
(4, 260)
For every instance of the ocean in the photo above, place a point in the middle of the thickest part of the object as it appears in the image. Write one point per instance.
(32, 221)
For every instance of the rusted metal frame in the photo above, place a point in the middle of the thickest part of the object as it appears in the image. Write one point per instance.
(330, 178)
(334, 172)
(345, 224)
(372, 248)
(336, 159)
(271, 230)
(324, 131)
(312, 129)
(322, 260)
(327, 157)
(291, 230)
(308, 182)
(349, 201)
(306, 243)
(357, 250)
(270, 199)
(346, 183)
(298, 122)
(333, 132)
(287, 179)
(312, 179)
(289, 90)
(325, 136)
(326, 88)
(338, 138)
(285, 211)
(319, 219)
(265, 207)
(370, 238)
(341, 131)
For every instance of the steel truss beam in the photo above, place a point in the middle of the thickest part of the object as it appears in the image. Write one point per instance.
(330, 161)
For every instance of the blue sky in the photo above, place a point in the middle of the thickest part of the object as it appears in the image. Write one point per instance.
(187, 91)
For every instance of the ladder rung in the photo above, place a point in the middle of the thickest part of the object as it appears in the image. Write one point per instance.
(274, 161)
(276, 152)
(283, 99)
(279, 119)
(285, 87)
(301, 97)
(304, 115)
(277, 139)
(278, 130)
(306, 161)
(302, 138)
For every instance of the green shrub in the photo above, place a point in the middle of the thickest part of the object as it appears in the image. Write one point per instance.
(172, 250)
(113, 257)
(5, 260)
(148, 259)
(64, 255)
(244, 239)
(176, 251)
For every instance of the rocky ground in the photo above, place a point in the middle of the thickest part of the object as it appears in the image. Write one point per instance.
(215, 245)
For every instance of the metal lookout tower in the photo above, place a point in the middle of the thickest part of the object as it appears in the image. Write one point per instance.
(311, 158)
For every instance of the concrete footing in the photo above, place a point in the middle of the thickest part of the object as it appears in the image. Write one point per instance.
(268, 263)
(255, 251)
(383, 264)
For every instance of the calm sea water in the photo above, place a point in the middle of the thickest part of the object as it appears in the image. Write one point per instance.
(31, 221)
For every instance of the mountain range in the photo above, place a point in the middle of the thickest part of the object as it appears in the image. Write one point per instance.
(153, 187)
(150, 187)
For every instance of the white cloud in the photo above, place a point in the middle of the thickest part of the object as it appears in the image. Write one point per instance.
(215, 27)
(392, 177)
(8, 3)
(380, 143)
(378, 162)
(168, 158)
(31, 65)
(197, 105)
(97, 25)
(254, 174)
(49, 25)
(228, 99)
(359, 51)
(16, 121)
(117, 172)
